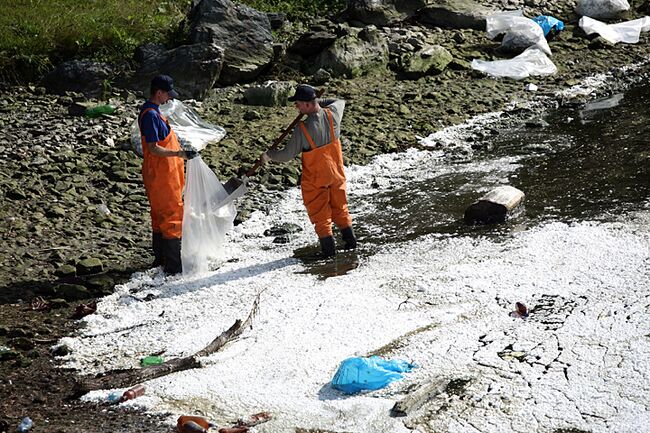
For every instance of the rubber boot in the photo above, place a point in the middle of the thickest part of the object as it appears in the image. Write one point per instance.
(172, 256)
(157, 245)
(348, 237)
(327, 246)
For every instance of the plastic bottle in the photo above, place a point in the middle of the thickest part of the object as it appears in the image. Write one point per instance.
(193, 424)
(132, 393)
(25, 425)
(98, 110)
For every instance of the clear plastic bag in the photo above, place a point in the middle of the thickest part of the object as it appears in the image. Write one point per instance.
(192, 131)
(601, 8)
(627, 32)
(531, 62)
(519, 32)
(208, 215)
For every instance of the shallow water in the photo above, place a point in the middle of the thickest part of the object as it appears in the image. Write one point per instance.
(589, 162)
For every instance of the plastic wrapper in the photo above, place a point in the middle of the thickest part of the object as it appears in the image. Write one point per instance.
(548, 24)
(367, 374)
(531, 62)
(519, 32)
(627, 32)
(208, 215)
(192, 131)
(601, 8)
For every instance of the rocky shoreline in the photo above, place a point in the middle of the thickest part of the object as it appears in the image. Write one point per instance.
(75, 216)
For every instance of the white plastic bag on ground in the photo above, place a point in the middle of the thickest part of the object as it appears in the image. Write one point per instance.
(601, 8)
(531, 62)
(519, 32)
(186, 123)
(627, 32)
(208, 215)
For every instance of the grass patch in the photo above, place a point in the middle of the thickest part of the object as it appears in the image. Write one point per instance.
(35, 34)
(296, 9)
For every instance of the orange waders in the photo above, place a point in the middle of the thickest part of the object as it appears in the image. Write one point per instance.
(164, 179)
(323, 183)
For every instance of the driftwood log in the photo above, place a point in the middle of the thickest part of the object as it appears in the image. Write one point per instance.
(126, 378)
(495, 206)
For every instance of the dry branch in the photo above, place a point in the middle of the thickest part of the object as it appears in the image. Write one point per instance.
(125, 378)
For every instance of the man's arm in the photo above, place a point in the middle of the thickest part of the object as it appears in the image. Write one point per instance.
(293, 148)
(161, 151)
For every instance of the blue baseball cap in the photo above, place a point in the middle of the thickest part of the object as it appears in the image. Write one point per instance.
(304, 92)
(165, 83)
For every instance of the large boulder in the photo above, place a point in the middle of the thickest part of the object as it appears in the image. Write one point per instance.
(84, 76)
(194, 68)
(359, 52)
(429, 60)
(270, 94)
(455, 14)
(312, 42)
(382, 12)
(243, 32)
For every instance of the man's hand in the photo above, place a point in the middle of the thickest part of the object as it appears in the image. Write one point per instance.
(264, 158)
(189, 154)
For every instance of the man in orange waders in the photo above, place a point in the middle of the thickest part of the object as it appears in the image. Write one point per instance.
(323, 178)
(164, 176)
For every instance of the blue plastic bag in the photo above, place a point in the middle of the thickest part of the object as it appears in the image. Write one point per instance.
(363, 374)
(547, 23)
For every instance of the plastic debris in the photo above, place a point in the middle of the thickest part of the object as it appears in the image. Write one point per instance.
(132, 393)
(191, 130)
(520, 311)
(25, 425)
(151, 360)
(549, 24)
(627, 32)
(99, 110)
(531, 87)
(253, 420)
(208, 215)
(84, 310)
(519, 32)
(601, 8)
(114, 397)
(40, 304)
(531, 62)
(364, 374)
(193, 424)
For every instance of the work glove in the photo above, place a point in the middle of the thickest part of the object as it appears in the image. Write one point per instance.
(264, 158)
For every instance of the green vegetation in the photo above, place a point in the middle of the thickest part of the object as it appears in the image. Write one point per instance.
(298, 8)
(36, 34)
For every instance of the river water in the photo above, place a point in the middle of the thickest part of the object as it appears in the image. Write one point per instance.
(425, 287)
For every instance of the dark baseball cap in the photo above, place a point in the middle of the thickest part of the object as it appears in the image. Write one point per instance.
(164, 82)
(304, 92)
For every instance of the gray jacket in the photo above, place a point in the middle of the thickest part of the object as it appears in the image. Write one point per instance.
(317, 126)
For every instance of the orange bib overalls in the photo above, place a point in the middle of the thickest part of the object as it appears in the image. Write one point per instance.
(323, 183)
(164, 179)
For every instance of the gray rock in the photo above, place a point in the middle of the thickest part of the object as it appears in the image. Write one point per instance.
(455, 14)
(243, 32)
(312, 42)
(353, 55)
(600, 9)
(72, 292)
(430, 60)
(89, 266)
(271, 94)
(84, 76)
(21, 343)
(382, 12)
(195, 68)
